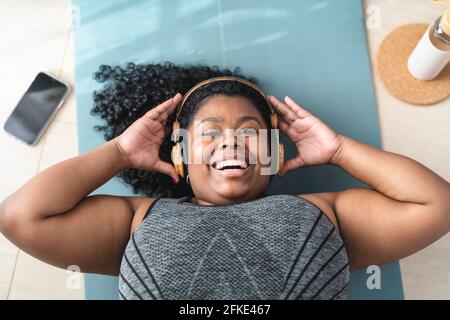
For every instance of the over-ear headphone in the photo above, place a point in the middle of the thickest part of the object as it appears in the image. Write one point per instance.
(177, 156)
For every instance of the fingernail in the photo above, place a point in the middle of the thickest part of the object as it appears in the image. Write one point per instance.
(174, 180)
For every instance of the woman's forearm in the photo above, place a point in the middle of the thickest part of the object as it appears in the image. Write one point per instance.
(60, 187)
(394, 175)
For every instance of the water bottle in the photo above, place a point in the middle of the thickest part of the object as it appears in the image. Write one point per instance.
(432, 53)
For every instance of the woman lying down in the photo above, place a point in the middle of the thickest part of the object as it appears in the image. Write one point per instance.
(199, 146)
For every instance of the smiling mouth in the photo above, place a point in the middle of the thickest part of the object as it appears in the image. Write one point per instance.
(230, 164)
(231, 168)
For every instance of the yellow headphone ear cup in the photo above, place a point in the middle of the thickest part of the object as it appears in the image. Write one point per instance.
(280, 156)
(274, 120)
(177, 159)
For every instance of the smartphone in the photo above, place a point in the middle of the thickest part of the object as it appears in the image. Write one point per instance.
(36, 108)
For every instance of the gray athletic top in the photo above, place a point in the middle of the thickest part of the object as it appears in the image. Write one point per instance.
(273, 247)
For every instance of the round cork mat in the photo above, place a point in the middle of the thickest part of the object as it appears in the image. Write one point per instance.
(392, 61)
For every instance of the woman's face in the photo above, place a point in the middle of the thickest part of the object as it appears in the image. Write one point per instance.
(224, 129)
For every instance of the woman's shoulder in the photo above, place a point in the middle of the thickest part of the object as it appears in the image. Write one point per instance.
(324, 201)
(140, 206)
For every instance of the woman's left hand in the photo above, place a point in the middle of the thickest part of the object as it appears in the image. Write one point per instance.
(316, 142)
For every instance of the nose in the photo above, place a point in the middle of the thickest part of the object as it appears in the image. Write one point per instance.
(230, 141)
(232, 147)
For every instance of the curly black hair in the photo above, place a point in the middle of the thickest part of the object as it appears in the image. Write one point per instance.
(130, 91)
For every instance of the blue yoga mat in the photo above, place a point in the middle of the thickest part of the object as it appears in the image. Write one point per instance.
(314, 51)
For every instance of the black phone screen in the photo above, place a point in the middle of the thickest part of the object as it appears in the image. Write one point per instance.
(35, 108)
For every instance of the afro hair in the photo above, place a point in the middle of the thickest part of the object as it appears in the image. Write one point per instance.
(130, 91)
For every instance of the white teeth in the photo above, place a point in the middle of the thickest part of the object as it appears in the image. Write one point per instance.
(225, 163)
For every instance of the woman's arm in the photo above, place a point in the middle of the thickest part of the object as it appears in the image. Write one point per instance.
(60, 187)
(407, 208)
(52, 218)
(396, 176)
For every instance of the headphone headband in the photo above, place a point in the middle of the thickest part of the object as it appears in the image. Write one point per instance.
(273, 117)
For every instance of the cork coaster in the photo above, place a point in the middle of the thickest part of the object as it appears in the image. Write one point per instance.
(392, 61)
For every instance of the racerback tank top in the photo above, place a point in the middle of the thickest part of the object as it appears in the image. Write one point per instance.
(274, 247)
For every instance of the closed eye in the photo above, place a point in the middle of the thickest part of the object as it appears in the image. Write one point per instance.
(249, 132)
(211, 133)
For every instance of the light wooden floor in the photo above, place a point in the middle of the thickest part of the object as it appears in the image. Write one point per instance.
(37, 36)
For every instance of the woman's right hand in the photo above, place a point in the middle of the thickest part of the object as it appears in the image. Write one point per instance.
(139, 144)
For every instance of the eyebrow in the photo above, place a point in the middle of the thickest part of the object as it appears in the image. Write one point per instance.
(241, 119)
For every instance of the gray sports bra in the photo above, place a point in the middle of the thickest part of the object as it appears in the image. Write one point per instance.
(273, 247)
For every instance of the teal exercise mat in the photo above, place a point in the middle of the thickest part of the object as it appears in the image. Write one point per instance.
(314, 51)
